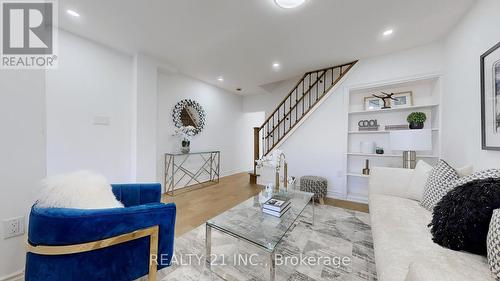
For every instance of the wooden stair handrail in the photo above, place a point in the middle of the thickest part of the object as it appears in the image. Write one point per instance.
(298, 83)
(284, 100)
(337, 66)
(280, 130)
(305, 113)
(299, 100)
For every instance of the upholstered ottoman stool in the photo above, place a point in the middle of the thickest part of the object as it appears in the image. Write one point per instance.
(316, 185)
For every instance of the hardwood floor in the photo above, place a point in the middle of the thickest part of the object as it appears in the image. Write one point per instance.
(360, 207)
(198, 205)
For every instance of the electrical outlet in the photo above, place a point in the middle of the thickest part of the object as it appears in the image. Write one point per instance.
(13, 227)
(101, 120)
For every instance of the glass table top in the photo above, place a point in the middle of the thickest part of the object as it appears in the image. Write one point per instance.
(191, 153)
(247, 220)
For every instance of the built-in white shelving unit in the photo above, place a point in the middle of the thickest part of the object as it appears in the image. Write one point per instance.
(413, 108)
(377, 132)
(386, 155)
(426, 98)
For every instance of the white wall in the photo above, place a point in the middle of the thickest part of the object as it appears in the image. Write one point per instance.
(145, 117)
(476, 33)
(268, 102)
(225, 122)
(318, 145)
(22, 150)
(92, 80)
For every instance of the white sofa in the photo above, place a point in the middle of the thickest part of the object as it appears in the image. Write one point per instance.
(403, 244)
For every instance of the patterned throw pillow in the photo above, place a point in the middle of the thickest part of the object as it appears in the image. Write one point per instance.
(493, 244)
(438, 184)
(480, 175)
(447, 179)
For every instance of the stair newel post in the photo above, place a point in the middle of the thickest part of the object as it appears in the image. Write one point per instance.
(256, 147)
(256, 154)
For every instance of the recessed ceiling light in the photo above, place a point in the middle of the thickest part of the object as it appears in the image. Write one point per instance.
(388, 32)
(73, 13)
(289, 4)
(220, 79)
(276, 65)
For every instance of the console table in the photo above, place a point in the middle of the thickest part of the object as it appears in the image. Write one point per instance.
(175, 169)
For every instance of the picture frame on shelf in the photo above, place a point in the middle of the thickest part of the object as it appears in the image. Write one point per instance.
(490, 98)
(372, 103)
(402, 99)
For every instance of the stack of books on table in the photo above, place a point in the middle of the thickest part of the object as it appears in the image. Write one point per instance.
(276, 206)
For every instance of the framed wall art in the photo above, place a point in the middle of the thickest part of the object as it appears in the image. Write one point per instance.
(402, 99)
(490, 98)
(373, 103)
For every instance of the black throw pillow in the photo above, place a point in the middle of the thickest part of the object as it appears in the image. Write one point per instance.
(461, 219)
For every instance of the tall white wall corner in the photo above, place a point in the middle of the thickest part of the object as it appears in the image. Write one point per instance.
(23, 147)
(145, 117)
(133, 131)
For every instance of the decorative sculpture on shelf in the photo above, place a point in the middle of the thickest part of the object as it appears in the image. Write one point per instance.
(386, 99)
(366, 170)
(275, 159)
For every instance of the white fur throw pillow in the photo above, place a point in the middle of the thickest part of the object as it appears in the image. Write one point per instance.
(465, 170)
(78, 190)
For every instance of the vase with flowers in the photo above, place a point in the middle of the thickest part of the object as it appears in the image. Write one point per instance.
(185, 133)
(276, 160)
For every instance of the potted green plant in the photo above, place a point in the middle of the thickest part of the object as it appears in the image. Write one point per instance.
(416, 120)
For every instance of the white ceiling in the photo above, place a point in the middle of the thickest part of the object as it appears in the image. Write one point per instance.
(240, 39)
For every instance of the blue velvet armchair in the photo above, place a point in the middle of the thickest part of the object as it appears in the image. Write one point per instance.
(61, 241)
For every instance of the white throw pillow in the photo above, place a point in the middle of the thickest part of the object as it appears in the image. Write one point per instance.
(465, 171)
(78, 190)
(416, 187)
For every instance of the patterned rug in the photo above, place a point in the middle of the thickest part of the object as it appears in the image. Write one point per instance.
(337, 247)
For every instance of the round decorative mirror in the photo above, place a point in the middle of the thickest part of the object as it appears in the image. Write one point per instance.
(189, 113)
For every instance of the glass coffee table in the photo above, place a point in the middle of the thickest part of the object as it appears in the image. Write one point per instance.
(247, 222)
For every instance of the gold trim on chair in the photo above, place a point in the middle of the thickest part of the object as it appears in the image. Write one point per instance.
(95, 245)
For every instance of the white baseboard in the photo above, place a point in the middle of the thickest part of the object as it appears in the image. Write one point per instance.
(232, 172)
(18, 276)
(359, 198)
(336, 195)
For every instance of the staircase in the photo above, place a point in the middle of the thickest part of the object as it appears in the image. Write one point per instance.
(304, 97)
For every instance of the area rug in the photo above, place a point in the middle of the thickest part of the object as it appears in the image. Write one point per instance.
(339, 246)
